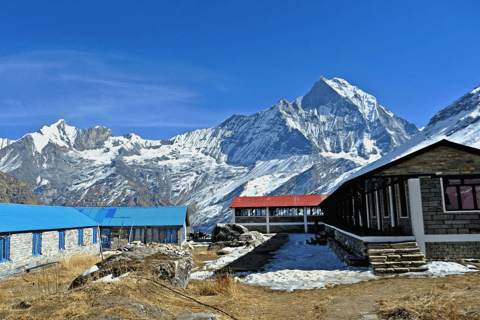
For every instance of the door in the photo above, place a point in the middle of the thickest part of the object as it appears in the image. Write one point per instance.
(105, 237)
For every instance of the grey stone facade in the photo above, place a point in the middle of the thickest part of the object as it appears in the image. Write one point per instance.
(21, 247)
(452, 250)
(436, 220)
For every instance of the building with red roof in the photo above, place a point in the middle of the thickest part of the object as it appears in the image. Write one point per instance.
(294, 213)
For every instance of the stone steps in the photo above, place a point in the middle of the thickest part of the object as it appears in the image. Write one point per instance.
(394, 258)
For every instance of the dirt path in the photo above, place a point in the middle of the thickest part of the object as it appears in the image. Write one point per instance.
(255, 260)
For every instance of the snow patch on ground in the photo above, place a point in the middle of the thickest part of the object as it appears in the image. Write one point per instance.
(298, 266)
(442, 268)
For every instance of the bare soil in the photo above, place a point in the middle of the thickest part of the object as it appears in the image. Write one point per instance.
(42, 294)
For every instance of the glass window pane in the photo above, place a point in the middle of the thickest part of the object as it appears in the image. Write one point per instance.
(466, 194)
(477, 191)
(472, 181)
(451, 198)
(454, 181)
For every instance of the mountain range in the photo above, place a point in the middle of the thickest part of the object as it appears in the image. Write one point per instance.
(306, 146)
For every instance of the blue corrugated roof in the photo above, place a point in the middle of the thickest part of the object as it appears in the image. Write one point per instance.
(20, 217)
(140, 216)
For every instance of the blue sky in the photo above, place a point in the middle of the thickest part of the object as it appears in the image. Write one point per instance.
(161, 68)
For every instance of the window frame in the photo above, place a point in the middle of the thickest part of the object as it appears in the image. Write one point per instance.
(94, 235)
(61, 240)
(4, 249)
(36, 244)
(462, 178)
(80, 237)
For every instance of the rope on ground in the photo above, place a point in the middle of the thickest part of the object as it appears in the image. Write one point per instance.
(199, 302)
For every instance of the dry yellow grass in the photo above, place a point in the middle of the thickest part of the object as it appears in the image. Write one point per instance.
(32, 296)
(433, 305)
(224, 284)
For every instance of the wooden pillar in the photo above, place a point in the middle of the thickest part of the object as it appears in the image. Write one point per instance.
(305, 221)
(267, 213)
(392, 209)
(379, 213)
(364, 213)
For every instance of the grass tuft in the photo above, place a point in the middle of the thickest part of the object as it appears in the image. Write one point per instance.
(431, 305)
(222, 284)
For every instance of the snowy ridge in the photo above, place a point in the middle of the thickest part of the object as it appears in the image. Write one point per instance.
(288, 148)
(5, 142)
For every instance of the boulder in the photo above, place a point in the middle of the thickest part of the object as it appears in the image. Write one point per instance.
(227, 232)
(169, 263)
(253, 238)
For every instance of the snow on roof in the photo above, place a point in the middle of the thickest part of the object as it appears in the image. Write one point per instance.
(278, 201)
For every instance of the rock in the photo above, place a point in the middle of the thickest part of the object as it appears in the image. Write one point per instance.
(253, 238)
(224, 244)
(227, 232)
(171, 265)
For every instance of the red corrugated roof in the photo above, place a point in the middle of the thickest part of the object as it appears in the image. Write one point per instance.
(278, 201)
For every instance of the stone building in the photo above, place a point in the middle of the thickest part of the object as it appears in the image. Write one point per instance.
(431, 197)
(299, 213)
(121, 225)
(32, 236)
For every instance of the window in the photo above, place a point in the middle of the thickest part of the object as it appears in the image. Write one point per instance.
(94, 241)
(61, 240)
(4, 248)
(37, 244)
(80, 237)
(461, 193)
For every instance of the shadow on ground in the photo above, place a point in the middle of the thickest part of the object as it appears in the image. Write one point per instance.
(255, 260)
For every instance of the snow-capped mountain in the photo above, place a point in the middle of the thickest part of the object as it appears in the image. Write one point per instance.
(5, 142)
(289, 148)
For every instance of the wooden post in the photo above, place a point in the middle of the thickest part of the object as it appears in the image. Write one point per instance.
(120, 233)
(267, 213)
(100, 242)
(130, 235)
(145, 234)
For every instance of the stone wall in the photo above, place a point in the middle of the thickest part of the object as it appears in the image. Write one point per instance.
(453, 250)
(275, 228)
(441, 159)
(350, 243)
(243, 219)
(436, 220)
(21, 245)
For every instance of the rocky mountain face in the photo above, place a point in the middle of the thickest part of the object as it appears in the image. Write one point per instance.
(295, 147)
(13, 190)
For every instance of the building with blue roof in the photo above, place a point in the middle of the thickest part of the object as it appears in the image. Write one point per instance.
(33, 235)
(120, 225)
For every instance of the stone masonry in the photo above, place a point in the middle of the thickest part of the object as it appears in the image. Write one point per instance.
(21, 248)
(453, 250)
(436, 220)
(392, 258)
